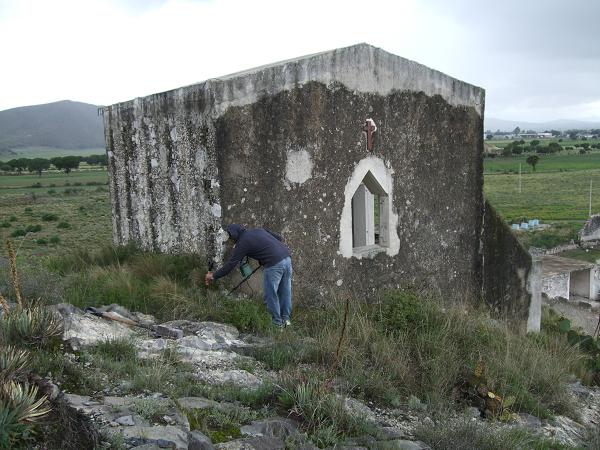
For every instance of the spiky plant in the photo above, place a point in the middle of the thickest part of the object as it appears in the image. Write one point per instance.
(12, 363)
(20, 409)
(35, 326)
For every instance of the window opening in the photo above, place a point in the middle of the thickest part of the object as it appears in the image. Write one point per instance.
(369, 215)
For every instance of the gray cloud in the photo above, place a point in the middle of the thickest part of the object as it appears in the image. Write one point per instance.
(540, 60)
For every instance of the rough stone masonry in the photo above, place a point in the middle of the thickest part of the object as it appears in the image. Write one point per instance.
(370, 166)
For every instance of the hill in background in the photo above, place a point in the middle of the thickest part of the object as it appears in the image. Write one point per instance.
(65, 124)
(494, 124)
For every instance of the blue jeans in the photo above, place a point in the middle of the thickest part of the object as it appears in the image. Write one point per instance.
(277, 287)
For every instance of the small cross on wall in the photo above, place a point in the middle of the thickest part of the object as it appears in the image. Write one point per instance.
(369, 128)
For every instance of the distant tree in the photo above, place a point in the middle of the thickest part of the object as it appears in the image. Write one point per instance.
(583, 138)
(66, 163)
(532, 161)
(4, 167)
(555, 132)
(507, 151)
(585, 145)
(101, 160)
(573, 135)
(489, 136)
(19, 164)
(517, 149)
(517, 130)
(534, 143)
(555, 147)
(582, 151)
(38, 165)
(560, 140)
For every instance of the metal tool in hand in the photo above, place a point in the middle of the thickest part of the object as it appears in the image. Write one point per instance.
(247, 272)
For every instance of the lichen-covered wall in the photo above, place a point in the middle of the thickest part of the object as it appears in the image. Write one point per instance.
(164, 183)
(276, 147)
(506, 267)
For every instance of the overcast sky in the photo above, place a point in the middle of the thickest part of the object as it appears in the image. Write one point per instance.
(537, 60)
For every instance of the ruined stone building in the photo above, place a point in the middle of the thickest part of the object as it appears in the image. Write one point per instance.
(370, 166)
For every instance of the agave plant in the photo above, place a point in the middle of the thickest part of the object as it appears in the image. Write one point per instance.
(22, 399)
(12, 432)
(36, 326)
(19, 410)
(12, 363)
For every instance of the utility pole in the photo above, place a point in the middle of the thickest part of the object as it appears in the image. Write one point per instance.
(519, 178)
(590, 211)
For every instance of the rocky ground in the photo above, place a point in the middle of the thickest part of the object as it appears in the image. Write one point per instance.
(582, 312)
(216, 352)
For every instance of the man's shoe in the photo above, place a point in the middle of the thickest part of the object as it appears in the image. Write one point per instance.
(287, 323)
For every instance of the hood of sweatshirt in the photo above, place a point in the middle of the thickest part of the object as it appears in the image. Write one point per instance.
(235, 231)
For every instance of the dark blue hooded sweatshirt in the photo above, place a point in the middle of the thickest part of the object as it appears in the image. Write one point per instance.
(257, 243)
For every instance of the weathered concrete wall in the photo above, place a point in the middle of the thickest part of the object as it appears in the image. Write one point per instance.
(506, 267)
(277, 146)
(437, 187)
(557, 285)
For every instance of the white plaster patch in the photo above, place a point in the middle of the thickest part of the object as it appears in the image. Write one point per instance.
(338, 283)
(173, 134)
(153, 162)
(299, 166)
(383, 175)
(216, 210)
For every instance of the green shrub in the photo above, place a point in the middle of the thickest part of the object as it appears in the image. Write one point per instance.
(49, 217)
(51, 191)
(36, 185)
(41, 241)
(220, 425)
(64, 225)
(18, 232)
(151, 409)
(117, 350)
(54, 239)
(12, 219)
(28, 209)
(402, 310)
(5, 224)
(33, 228)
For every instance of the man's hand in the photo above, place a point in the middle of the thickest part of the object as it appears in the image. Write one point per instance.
(208, 278)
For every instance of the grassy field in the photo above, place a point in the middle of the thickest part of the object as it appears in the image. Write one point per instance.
(548, 196)
(50, 152)
(70, 210)
(548, 163)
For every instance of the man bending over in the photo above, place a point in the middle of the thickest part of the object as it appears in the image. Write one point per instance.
(271, 253)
